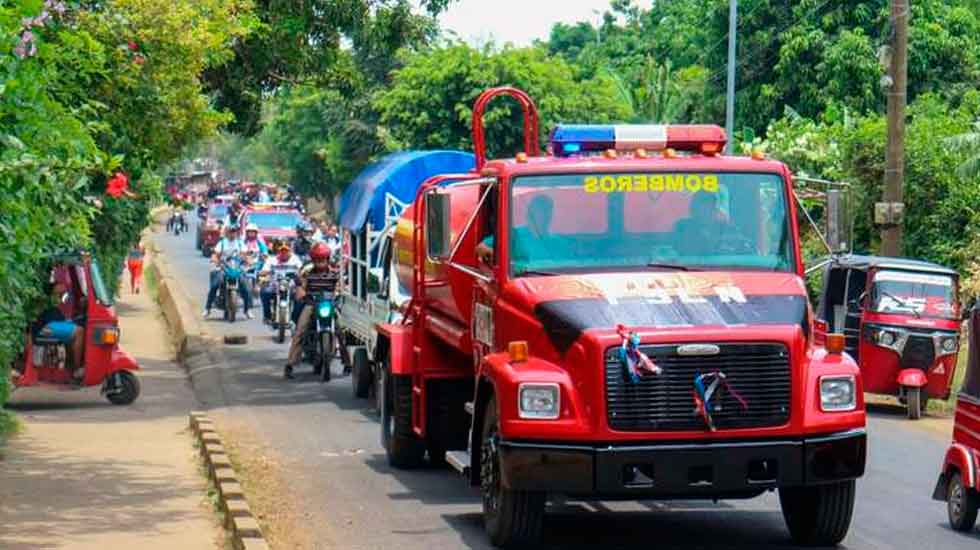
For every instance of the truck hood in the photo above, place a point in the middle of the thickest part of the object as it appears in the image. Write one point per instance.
(568, 305)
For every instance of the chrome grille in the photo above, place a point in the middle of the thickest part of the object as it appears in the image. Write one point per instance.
(760, 373)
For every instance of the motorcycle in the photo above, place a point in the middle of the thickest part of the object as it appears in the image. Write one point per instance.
(231, 278)
(319, 341)
(283, 284)
(253, 266)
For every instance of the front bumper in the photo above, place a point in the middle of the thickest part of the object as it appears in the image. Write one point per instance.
(683, 470)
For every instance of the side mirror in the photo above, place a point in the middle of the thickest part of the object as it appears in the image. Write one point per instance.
(838, 225)
(437, 230)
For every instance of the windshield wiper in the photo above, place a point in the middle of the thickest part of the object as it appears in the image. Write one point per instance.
(664, 265)
(536, 272)
(902, 302)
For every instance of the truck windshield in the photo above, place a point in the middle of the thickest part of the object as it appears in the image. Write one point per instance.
(218, 211)
(922, 294)
(654, 220)
(274, 220)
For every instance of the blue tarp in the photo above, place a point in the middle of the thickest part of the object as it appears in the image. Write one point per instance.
(399, 174)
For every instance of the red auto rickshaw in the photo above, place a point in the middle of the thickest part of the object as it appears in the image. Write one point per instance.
(958, 483)
(901, 322)
(88, 304)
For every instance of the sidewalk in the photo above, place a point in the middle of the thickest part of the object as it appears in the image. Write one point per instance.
(84, 474)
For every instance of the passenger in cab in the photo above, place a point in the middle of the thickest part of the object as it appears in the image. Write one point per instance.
(320, 277)
(528, 242)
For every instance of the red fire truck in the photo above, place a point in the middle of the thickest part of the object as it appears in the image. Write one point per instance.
(624, 317)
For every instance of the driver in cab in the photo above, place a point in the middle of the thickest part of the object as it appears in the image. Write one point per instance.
(54, 324)
(705, 225)
(531, 242)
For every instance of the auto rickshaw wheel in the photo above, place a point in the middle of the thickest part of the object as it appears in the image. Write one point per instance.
(962, 504)
(126, 390)
(913, 400)
(818, 515)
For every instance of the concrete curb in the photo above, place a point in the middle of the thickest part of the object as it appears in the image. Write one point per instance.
(239, 521)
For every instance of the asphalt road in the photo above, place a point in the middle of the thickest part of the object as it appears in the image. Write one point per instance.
(353, 500)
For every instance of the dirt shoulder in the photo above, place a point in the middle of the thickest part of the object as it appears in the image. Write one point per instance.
(82, 473)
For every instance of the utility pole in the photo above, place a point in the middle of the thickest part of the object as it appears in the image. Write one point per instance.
(890, 212)
(730, 95)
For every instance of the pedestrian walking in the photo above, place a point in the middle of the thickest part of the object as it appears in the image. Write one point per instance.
(135, 264)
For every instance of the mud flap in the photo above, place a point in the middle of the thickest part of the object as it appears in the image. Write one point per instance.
(939, 493)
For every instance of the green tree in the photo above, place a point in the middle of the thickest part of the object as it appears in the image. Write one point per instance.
(429, 103)
(304, 44)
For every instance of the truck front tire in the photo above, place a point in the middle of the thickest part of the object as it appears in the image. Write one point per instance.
(818, 515)
(511, 518)
(403, 448)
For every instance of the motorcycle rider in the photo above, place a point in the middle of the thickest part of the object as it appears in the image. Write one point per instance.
(304, 240)
(284, 261)
(235, 210)
(321, 276)
(231, 245)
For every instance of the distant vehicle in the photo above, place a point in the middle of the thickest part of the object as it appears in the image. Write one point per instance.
(209, 230)
(276, 221)
(959, 479)
(901, 322)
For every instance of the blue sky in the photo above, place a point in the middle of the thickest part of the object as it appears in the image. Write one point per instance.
(515, 21)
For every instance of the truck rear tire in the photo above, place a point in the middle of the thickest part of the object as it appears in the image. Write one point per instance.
(360, 374)
(511, 518)
(819, 515)
(403, 448)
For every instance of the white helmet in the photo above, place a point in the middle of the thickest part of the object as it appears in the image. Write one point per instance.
(251, 227)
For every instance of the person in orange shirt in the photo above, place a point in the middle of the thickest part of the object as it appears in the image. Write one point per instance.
(135, 264)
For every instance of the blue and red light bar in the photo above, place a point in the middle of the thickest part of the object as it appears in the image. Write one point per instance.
(576, 139)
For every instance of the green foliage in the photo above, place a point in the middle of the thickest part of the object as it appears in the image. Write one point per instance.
(429, 103)
(303, 44)
(84, 93)
(942, 207)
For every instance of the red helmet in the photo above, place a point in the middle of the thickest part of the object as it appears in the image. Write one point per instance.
(320, 251)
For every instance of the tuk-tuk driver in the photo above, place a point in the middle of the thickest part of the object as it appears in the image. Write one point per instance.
(55, 325)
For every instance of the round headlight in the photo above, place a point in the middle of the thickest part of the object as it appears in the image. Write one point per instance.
(886, 338)
(949, 344)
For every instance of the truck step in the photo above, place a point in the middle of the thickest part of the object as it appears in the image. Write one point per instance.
(469, 407)
(459, 460)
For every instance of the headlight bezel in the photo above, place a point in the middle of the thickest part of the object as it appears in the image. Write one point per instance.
(837, 378)
(941, 347)
(554, 413)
